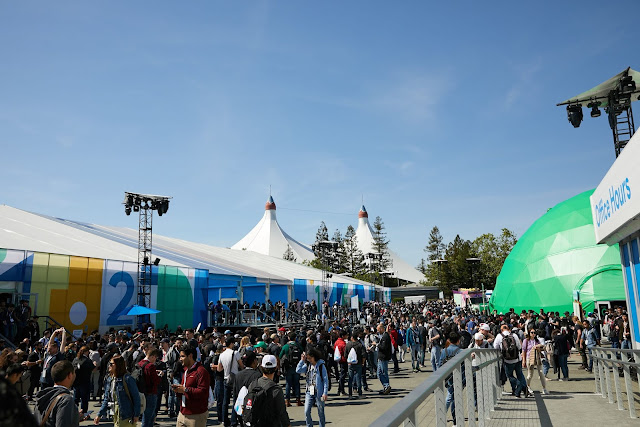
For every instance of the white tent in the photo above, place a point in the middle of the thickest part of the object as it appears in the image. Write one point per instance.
(399, 267)
(269, 239)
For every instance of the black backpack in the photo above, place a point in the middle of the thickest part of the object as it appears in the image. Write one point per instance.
(509, 348)
(293, 356)
(257, 408)
(137, 374)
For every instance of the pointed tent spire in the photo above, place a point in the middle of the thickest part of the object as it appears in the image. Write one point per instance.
(270, 205)
(363, 213)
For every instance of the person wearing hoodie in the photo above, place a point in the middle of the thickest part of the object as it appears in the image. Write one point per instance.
(55, 406)
(317, 384)
(341, 346)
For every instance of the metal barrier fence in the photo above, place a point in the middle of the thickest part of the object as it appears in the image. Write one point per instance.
(609, 364)
(426, 404)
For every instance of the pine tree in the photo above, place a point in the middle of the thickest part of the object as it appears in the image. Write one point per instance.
(354, 260)
(422, 267)
(337, 257)
(435, 248)
(289, 255)
(381, 246)
(319, 249)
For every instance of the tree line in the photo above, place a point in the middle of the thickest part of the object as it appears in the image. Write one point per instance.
(465, 263)
(341, 254)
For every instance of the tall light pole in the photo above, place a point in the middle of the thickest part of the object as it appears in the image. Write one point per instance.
(472, 262)
(145, 204)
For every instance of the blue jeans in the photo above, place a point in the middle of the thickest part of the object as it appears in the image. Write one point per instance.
(625, 344)
(415, 356)
(615, 343)
(308, 404)
(590, 353)
(218, 393)
(150, 411)
(564, 367)
(383, 372)
(519, 382)
(293, 383)
(355, 375)
(435, 357)
(545, 367)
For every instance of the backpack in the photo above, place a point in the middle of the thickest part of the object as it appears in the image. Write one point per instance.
(293, 356)
(257, 411)
(137, 373)
(509, 348)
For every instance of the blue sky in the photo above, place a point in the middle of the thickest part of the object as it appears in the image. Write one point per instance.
(437, 113)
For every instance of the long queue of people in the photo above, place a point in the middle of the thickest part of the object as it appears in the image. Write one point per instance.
(236, 375)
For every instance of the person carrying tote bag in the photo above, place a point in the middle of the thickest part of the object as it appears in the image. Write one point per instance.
(121, 395)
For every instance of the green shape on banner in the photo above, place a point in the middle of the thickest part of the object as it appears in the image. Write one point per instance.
(174, 299)
(3, 255)
(555, 256)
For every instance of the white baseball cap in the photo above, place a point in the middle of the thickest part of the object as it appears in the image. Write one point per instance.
(269, 361)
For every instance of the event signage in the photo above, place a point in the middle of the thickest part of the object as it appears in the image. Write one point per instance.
(616, 201)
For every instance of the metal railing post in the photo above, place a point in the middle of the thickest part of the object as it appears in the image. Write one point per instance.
(480, 392)
(608, 381)
(616, 382)
(596, 371)
(441, 409)
(629, 386)
(457, 395)
(471, 400)
(603, 373)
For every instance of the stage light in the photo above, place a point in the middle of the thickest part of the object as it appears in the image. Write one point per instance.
(145, 261)
(156, 261)
(627, 84)
(574, 114)
(595, 111)
(127, 210)
(136, 208)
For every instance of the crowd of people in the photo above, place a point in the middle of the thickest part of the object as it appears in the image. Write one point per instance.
(253, 375)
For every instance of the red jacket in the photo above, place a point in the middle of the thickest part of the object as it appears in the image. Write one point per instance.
(196, 382)
(394, 338)
(151, 378)
(342, 346)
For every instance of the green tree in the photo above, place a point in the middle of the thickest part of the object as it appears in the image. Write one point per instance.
(492, 252)
(354, 260)
(456, 272)
(381, 246)
(422, 267)
(435, 247)
(336, 256)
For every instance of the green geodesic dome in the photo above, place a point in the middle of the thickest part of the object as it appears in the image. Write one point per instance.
(555, 256)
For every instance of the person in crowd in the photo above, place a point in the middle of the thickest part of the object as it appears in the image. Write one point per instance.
(278, 416)
(230, 363)
(194, 390)
(356, 356)
(55, 406)
(151, 381)
(51, 357)
(385, 348)
(290, 355)
(510, 347)
(120, 395)
(317, 389)
(414, 344)
(248, 375)
(589, 341)
(82, 385)
(532, 353)
(435, 344)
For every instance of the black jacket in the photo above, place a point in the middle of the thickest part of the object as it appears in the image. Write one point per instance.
(244, 379)
(384, 348)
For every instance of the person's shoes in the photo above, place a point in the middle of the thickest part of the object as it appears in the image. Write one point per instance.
(387, 390)
(589, 370)
(300, 403)
(288, 403)
(544, 391)
(518, 396)
(418, 369)
(367, 389)
(561, 379)
(529, 390)
(415, 371)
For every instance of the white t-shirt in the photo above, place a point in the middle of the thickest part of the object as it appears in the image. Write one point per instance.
(225, 359)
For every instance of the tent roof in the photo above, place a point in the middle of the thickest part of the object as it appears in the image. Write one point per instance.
(268, 238)
(601, 91)
(33, 232)
(364, 236)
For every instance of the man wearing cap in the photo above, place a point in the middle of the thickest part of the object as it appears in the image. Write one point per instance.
(485, 330)
(279, 415)
(229, 363)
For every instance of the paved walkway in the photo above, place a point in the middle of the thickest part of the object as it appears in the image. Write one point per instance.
(571, 403)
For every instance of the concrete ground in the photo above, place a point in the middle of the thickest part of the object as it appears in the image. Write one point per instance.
(571, 403)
